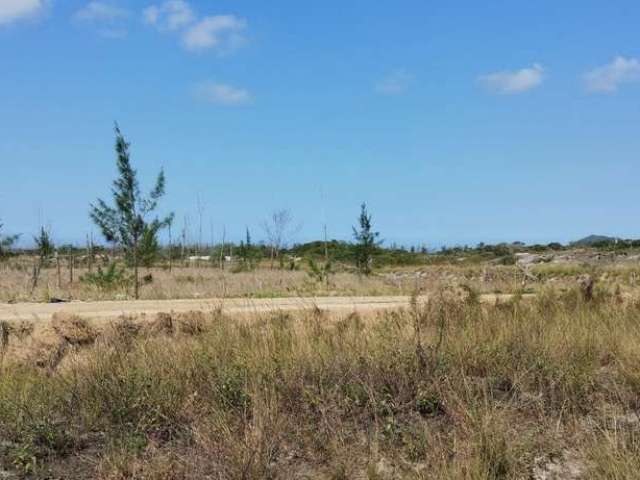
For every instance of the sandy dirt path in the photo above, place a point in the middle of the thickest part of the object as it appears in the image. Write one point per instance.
(113, 309)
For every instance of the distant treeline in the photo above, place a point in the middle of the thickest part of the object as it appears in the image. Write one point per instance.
(343, 252)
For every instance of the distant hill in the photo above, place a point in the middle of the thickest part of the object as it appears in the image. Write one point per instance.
(592, 240)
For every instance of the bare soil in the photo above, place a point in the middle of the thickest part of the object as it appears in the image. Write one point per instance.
(106, 310)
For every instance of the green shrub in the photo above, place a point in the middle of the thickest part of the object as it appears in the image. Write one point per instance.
(115, 277)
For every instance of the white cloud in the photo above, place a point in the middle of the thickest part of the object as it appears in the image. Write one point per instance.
(221, 94)
(396, 83)
(100, 11)
(108, 20)
(218, 32)
(221, 33)
(511, 82)
(151, 15)
(171, 15)
(12, 10)
(608, 78)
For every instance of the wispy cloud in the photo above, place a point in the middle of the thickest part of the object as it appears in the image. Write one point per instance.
(396, 83)
(13, 10)
(222, 94)
(609, 77)
(100, 11)
(219, 33)
(115, 33)
(222, 33)
(511, 82)
(109, 20)
(169, 16)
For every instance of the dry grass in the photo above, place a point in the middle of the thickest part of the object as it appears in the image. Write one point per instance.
(15, 283)
(442, 391)
(214, 283)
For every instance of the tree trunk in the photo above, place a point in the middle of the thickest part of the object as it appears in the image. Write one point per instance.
(36, 273)
(58, 275)
(136, 280)
(90, 253)
(72, 261)
(170, 251)
(224, 238)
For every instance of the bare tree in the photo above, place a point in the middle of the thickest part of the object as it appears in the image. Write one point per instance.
(324, 227)
(201, 207)
(212, 240)
(170, 248)
(278, 229)
(224, 239)
(90, 252)
(183, 234)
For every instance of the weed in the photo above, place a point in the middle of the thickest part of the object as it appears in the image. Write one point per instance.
(115, 277)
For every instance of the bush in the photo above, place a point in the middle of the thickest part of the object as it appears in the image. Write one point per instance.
(115, 277)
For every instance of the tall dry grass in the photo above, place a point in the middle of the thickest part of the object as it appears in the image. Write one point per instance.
(446, 390)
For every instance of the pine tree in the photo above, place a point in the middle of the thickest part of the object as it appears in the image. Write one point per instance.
(45, 249)
(148, 248)
(367, 242)
(247, 253)
(44, 244)
(6, 242)
(125, 224)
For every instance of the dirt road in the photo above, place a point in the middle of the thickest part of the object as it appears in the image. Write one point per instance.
(114, 309)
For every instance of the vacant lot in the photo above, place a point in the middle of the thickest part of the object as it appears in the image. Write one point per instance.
(541, 389)
(207, 282)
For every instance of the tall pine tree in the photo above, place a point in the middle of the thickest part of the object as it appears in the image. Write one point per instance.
(367, 242)
(125, 223)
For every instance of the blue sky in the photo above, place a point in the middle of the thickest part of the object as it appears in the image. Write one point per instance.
(457, 122)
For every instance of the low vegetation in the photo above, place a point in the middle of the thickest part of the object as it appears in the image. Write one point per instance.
(446, 390)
